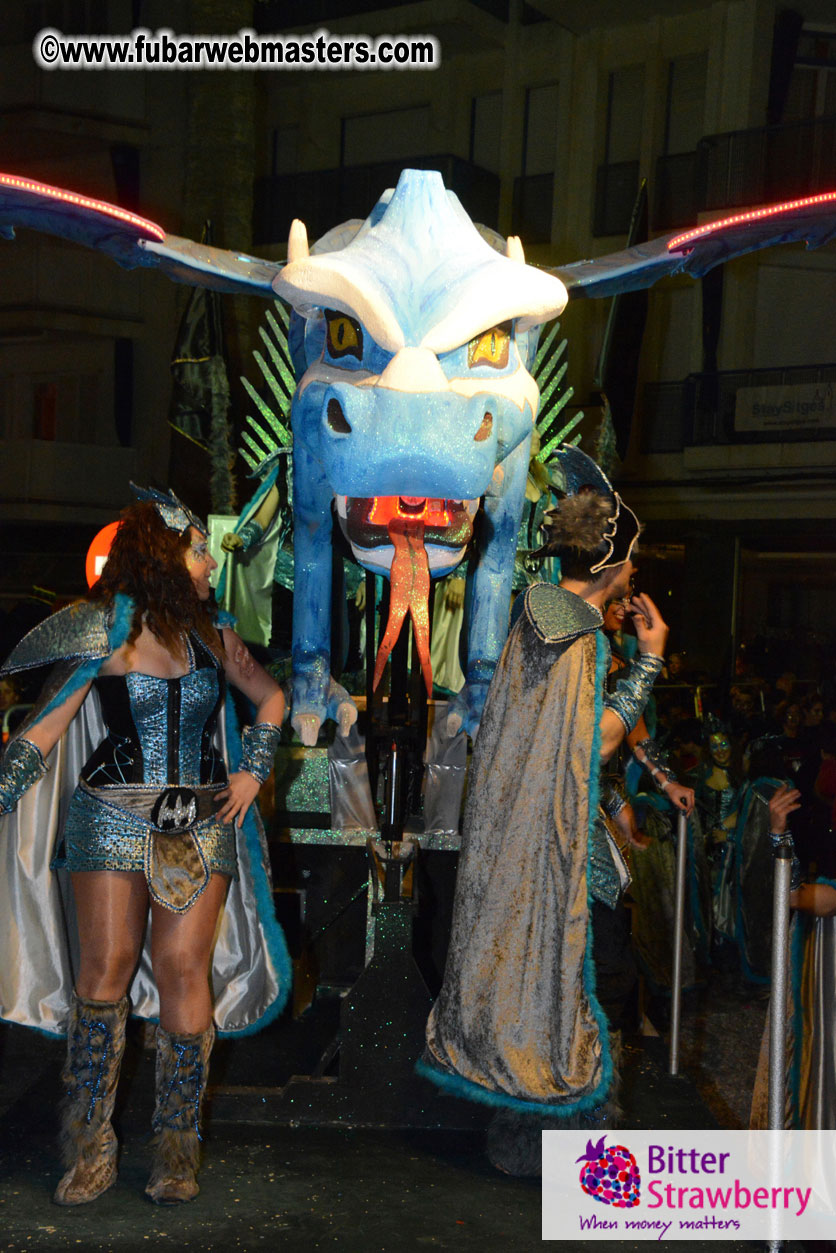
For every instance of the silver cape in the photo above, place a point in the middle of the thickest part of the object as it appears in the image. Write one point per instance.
(251, 970)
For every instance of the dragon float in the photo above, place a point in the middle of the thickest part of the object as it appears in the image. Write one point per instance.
(413, 338)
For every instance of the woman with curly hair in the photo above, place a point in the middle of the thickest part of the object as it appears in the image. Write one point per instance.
(155, 823)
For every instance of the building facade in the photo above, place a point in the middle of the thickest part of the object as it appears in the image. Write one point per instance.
(545, 117)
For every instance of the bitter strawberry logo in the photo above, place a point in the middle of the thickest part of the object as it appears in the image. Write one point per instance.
(610, 1175)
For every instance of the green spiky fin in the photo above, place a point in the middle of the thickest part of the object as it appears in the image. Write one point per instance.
(549, 372)
(269, 433)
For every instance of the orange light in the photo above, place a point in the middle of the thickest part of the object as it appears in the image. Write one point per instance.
(84, 202)
(384, 508)
(97, 553)
(753, 215)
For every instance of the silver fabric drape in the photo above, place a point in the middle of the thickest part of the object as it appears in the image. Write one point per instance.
(444, 779)
(38, 941)
(352, 808)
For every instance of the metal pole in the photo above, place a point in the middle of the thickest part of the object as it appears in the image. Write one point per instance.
(778, 1001)
(778, 1012)
(678, 927)
(230, 560)
(391, 828)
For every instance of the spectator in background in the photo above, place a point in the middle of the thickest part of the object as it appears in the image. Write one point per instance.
(676, 671)
(792, 745)
(821, 805)
(813, 717)
(745, 719)
(785, 686)
(687, 745)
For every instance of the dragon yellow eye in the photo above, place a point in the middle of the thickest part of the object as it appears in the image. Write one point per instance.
(490, 348)
(345, 335)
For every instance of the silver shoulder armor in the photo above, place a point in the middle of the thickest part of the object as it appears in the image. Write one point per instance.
(557, 615)
(79, 632)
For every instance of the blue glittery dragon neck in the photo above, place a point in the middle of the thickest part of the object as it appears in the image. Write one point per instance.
(415, 408)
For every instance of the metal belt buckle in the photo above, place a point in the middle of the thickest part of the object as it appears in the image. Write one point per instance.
(175, 809)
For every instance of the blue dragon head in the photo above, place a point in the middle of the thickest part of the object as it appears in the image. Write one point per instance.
(413, 364)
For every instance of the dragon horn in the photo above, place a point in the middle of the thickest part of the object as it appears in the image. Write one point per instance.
(514, 249)
(297, 242)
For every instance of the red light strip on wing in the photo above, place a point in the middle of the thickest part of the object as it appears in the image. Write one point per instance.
(754, 215)
(84, 202)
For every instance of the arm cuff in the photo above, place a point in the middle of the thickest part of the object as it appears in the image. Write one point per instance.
(259, 748)
(22, 765)
(633, 691)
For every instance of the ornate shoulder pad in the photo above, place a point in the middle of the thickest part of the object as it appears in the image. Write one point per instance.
(558, 615)
(81, 632)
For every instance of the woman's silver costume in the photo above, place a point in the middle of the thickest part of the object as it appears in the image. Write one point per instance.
(131, 785)
(146, 798)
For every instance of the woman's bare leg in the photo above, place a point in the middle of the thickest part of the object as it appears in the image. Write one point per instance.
(112, 908)
(181, 946)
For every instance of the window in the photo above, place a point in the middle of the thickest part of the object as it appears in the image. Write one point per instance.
(486, 130)
(60, 394)
(540, 137)
(625, 107)
(685, 113)
(812, 91)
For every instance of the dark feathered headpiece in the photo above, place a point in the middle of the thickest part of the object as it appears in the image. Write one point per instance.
(590, 518)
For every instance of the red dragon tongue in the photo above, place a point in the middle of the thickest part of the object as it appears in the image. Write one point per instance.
(409, 590)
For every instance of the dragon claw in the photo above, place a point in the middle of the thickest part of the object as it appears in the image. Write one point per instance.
(306, 727)
(316, 698)
(346, 716)
(465, 710)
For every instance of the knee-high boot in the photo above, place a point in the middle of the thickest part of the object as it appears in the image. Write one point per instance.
(182, 1072)
(95, 1044)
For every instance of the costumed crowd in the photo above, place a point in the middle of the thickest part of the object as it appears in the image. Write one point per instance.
(135, 867)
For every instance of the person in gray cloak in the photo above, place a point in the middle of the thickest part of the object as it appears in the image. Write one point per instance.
(539, 960)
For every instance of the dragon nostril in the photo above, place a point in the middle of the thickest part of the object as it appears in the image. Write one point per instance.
(485, 429)
(336, 418)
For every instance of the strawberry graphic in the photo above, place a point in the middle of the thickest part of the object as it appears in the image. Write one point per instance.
(610, 1175)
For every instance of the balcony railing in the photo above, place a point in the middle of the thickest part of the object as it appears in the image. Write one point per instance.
(707, 409)
(767, 164)
(324, 198)
(741, 168)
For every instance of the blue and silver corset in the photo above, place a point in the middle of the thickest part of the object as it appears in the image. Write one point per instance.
(160, 732)
(147, 797)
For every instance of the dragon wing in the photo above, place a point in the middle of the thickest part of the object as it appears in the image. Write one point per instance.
(129, 239)
(134, 241)
(697, 251)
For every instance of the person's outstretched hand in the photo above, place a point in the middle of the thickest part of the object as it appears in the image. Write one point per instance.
(650, 627)
(784, 801)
